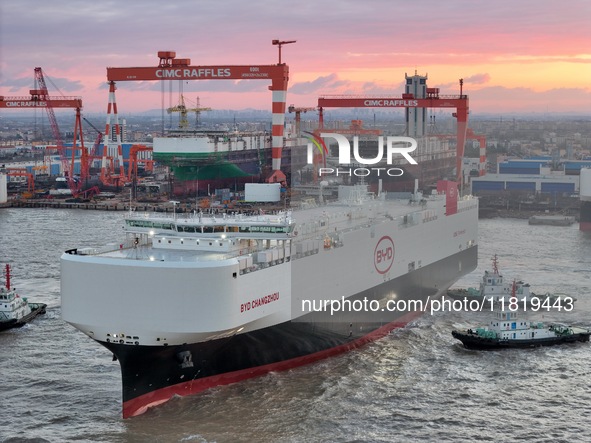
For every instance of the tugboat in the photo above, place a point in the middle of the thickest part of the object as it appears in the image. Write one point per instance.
(494, 290)
(507, 331)
(16, 311)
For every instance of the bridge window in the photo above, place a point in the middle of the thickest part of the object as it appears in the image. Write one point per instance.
(188, 228)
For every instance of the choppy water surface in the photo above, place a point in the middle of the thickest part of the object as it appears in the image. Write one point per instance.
(418, 384)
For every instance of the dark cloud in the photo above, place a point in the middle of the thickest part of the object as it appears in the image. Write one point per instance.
(54, 85)
(17, 85)
(323, 84)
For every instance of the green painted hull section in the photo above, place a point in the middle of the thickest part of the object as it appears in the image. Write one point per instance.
(171, 158)
(200, 166)
(208, 172)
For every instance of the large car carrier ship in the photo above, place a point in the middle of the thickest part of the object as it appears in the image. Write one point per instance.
(199, 301)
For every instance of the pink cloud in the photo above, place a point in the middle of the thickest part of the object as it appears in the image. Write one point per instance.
(74, 45)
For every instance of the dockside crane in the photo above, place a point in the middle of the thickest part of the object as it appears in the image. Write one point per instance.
(433, 100)
(183, 110)
(94, 153)
(40, 98)
(41, 93)
(132, 168)
(22, 172)
(298, 112)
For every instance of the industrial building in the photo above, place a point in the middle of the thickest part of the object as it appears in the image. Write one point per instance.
(536, 175)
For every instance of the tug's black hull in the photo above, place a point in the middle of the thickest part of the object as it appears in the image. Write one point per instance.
(471, 340)
(37, 309)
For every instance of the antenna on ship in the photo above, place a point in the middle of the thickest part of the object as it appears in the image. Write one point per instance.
(130, 201)
(7, 276)
(495, 264)
(174, 203)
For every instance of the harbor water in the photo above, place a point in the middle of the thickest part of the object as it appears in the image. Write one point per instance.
(417, 384)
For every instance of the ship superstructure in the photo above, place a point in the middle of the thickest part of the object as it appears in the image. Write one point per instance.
(198, 301)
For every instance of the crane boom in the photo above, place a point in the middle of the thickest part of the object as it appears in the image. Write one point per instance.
(94, 153)
(37, 101)
(67, 167)
(183, 110)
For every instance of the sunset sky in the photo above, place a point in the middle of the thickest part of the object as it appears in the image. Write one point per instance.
(514, 55)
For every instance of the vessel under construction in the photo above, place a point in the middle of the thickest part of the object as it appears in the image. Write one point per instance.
(202, 301)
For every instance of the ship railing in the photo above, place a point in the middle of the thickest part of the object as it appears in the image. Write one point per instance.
(275, 216)
(315, 230)
(273, 254)
(111, 247)
(467, 203)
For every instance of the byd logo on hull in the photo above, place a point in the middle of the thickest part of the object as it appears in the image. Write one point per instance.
(383, 254)
(394, 145)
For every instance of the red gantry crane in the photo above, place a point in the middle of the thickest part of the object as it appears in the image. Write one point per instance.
(132, 168)
(22, 172)
(470, 135)
(172, 68)
(298, 112)
(433, 100)
(40, 98)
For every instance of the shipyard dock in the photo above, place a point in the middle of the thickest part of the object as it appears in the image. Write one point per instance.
(551, 220)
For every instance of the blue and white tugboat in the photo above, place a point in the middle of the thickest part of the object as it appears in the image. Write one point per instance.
(16, 311)
(495, 290)
(506, 330)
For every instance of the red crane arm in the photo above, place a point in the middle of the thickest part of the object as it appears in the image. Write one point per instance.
(453, 101)
(186, 72)
(36, 102)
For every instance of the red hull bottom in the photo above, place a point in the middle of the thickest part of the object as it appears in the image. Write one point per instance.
(141, 404)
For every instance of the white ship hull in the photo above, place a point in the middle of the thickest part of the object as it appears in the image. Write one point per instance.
(180, 323)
